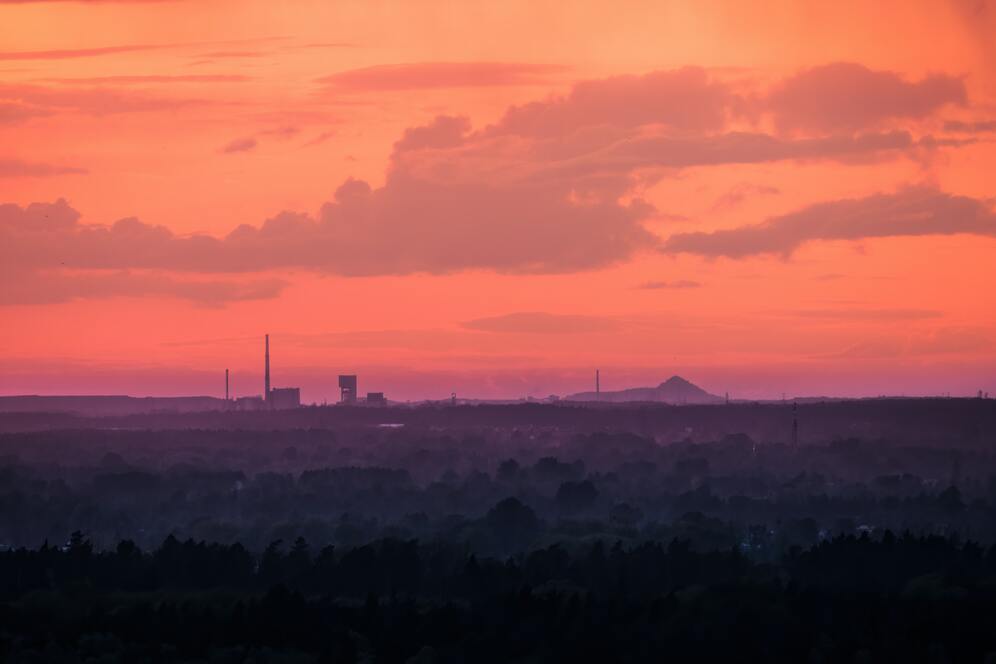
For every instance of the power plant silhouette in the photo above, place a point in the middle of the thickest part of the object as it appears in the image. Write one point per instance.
(285, 398)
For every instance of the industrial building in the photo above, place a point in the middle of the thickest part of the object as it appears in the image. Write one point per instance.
(284, 398)
(249, 403)
(347, 385)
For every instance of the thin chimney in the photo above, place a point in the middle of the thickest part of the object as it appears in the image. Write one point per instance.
(226, 384)
(598, 387)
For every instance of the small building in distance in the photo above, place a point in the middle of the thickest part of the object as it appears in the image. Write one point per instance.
(376, 399)
(347, 385)
(283, 398)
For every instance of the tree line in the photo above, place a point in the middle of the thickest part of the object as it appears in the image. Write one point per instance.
(891, 598)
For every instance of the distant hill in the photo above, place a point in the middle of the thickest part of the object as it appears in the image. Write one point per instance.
(675, 390)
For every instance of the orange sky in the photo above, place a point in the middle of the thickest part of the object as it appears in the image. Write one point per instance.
(497, 198)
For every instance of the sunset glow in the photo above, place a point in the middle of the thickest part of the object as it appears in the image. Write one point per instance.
(498, 198)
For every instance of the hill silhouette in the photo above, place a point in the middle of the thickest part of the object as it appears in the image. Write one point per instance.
(675, 390)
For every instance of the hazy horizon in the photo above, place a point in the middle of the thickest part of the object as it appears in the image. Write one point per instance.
(319, 384)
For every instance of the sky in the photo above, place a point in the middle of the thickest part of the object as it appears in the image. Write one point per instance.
(495, 199)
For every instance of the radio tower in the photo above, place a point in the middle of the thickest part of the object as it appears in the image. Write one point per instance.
(795, 426)
(266, 379)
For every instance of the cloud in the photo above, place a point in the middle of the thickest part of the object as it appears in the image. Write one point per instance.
(143, 79)
(914, 211)
(233, 54)
(249, 143)
(56, 286)
(749, 148)
(69, 53)
(361, 232)
(738, 193)
(14, 168)
(551, 187)
(977, 127)
(282, 133)
(941, 341)
(428, 75)
(538, 322)
(688, 99)
(72, 53)
(319, 46)
(846, 97)
(239, 145)
(319, 139)
(136, 2)
(45, 100)
(43, 259)
(660, 285)
(12, 112)
(857, 314)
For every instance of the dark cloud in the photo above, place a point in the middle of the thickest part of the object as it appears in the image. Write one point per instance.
(977, 127)
(740, 192)
(319, 139)
(428, 75)
(847, 97)
(913, 211)
(239, 145)
(538, 322)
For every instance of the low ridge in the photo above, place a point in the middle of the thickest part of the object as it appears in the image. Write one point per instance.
(675, 390)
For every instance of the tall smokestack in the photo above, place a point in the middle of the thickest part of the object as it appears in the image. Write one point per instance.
(226, 384)
(266, 384)
(598, 388)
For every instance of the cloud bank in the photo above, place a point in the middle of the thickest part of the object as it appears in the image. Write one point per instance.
(914, 211)
(551, 187)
